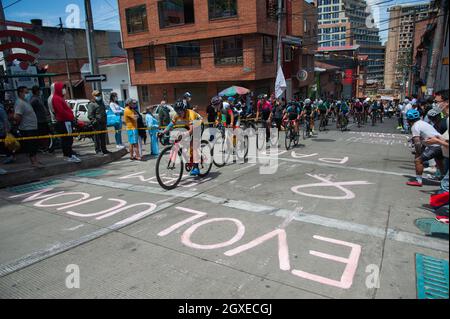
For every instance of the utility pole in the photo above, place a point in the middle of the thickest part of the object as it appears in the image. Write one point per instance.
(437, 41)
(279, 13)
(91, 43)
(67, 58)
(411, 70)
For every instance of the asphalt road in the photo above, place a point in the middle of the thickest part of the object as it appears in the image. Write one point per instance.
(334, 219)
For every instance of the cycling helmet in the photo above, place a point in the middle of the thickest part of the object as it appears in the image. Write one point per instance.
(179, 107)
(187, 95)
(216, 100)
(413, 115)
(307, 101)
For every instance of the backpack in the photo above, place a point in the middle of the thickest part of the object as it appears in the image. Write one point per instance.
(164, 116)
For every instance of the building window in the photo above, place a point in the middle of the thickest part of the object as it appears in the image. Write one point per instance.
(136, 19)
(144, 59)
(267, 49)
(228, 51)
(143, 94)
(272, 8)
(288, 53)
(222, 8)
(175, 12)
(185, 54)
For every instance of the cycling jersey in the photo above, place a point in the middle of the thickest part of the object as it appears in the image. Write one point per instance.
(265, 109)
(343, 108)
(308, 109)
(358, 106)
(189, 117)
(323, 107)
(226, 113)
(293, 112)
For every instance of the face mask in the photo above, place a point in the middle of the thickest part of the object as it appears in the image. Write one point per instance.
(64, 91)
(28, 96)
(98, 98)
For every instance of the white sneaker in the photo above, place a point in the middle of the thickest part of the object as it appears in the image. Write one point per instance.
(431, 170)
(74, 159)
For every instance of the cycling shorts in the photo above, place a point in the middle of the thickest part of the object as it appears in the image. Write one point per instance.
(293, 116)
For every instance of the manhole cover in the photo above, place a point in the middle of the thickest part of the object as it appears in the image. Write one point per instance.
(432, 277)
(34, 186)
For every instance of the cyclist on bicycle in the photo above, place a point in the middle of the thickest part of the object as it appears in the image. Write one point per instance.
(227, 113)
(375, 109)
(308, 113)
(358, 109)
(323, 110)
(292, 113)
(264, 108)
(184, 117)
(343, 110)
(187, 97)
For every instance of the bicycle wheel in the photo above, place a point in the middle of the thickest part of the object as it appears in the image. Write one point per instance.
(260, 137)
(221, 150)
(296, 137)
(344, 123)
(241, 147)
(169, 168)
(206, 155)
(288, 138)
(322, 124)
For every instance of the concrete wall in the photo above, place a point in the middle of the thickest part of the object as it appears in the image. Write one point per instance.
(117, 80)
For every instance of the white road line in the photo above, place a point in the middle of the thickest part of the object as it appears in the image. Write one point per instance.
(399, 236)
(361, 169)
(58, 248)
(74, 228)
(245, 167)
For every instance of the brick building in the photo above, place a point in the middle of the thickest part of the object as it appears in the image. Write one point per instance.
(174, 46)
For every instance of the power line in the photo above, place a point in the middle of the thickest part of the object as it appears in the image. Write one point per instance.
(9, 5)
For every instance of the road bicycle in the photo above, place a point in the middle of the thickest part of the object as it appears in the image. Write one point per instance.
(343, 122)
(359, 116)
(323, 122)
(225, 145)
(170, 164)
(291, 135)
(306, 127)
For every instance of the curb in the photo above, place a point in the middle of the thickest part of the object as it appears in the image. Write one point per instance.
(29, 175)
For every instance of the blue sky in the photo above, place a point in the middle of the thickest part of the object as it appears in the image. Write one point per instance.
(105, 12)
(106, 16)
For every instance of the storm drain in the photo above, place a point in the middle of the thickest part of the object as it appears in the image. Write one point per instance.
(432, 277)
(34, 186)
(92, 173)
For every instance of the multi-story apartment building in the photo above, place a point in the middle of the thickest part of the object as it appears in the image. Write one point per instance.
(175, 46)
(399, 47)
(343, 23)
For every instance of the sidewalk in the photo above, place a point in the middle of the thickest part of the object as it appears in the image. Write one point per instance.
(21, 172)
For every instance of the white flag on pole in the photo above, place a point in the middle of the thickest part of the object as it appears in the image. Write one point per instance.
(280, 84)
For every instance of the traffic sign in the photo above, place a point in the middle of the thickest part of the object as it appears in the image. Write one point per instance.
(95, 78)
